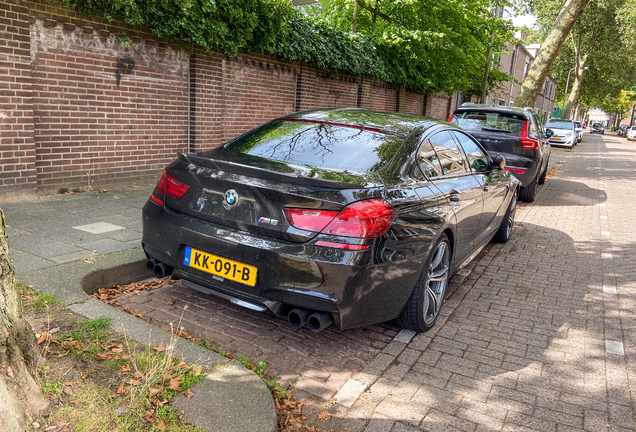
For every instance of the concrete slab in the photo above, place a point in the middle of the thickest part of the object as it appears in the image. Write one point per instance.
(230, 399)
(99, 227)
(27, 262)
(104, 246)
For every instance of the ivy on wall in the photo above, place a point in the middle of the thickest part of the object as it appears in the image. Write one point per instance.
(269, 27)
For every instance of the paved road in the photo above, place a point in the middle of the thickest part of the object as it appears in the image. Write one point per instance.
(536, 338)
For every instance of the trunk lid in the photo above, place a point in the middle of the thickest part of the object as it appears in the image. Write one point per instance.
(250, 193)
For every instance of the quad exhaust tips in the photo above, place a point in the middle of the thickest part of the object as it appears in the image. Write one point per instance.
(160, 270)
(319, 321)
(298, 317)
(316, 321)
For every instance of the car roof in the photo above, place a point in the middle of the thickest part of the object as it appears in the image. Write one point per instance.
(496, 108)
(560, 120)
(397, 123)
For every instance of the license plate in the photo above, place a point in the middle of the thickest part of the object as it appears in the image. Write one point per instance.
(556, 139)
(223, 267)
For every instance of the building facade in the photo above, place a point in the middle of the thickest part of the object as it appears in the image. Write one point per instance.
(516, 63)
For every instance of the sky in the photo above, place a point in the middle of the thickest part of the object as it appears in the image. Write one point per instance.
(525, 20)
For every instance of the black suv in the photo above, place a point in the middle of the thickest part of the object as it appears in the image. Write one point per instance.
(514, 133)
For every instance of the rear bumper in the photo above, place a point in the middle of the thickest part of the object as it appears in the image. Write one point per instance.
(353, 286)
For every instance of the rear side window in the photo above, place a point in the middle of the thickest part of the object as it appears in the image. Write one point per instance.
(477, 120)
(450, 156)
(326, 146)
(428, 161)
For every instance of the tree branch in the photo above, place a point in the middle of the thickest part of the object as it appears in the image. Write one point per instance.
(363, 5)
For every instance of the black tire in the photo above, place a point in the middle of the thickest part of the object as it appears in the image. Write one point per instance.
(543, 175)
(425, 303)
(529, 192)
(507, 223)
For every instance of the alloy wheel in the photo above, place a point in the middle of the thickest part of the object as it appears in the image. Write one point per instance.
(511, 215)
(436, 283)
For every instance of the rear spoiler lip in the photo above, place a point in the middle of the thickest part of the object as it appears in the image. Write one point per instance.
(266, 174)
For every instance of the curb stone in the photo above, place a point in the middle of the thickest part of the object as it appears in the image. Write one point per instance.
(230, 398)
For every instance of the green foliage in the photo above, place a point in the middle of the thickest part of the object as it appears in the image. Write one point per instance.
(427, 45)
(94, 329)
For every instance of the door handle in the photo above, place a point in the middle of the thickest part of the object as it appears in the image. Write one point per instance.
(454, 197)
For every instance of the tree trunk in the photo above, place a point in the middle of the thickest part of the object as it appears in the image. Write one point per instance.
(20, 397)
(548, 52)
(576, 88)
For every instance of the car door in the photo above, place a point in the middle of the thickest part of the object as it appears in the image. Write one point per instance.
(447, 169)
(493, 182)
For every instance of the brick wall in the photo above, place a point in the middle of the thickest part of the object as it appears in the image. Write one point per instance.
(316, 89)
(255, 89)
(439, 105)
(17, 145)
(107, 108)
(97, 103)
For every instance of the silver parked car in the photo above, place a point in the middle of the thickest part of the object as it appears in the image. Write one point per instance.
(578, 127)
(631, 133)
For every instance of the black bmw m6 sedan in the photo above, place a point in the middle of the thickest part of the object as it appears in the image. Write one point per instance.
(341, 216)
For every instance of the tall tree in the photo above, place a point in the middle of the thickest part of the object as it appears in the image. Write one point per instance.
(549, 51)
(20, 397)
(445, 42)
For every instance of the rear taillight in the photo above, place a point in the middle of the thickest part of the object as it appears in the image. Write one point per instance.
(527, 142)
(515, 170)
(170, 187)
(450, 120)
(309, 220)
(363, 219)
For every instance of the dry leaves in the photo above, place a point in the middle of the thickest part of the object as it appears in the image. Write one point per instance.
(170, 302)
(111, 295)
(154, 391)
(160, 425)
(188, 394)
(102, 356)
(175, 383)
(44, 337)
(124, 369)
(159, 348)
(324, 416)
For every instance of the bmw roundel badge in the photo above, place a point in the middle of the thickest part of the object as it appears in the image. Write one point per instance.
(230, 199)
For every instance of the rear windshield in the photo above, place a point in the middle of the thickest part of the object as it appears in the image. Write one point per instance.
(325, 146)
(597, 125)
(507, 123)
(559, 124)
(577, 124)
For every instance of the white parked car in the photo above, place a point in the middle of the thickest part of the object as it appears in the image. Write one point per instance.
(578, 127)
(631, 133)
(564, 133)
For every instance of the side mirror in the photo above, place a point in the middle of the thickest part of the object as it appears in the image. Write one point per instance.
(549, 133)
(499, 161)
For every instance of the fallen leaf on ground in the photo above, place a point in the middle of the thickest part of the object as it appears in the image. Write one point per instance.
(83, 375)
(124, 369)
(44, 337)
(117, 350)
(154, 391)
(159, 348)
(324, 416)
(160, 425)
(181, 365)
(197, 370)
(126, 357)
(123, 390)
(170, 302)
(102, 356)
(175, 383)
(134, 382)
(138, 375)
(69, 383)
(188, 394)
